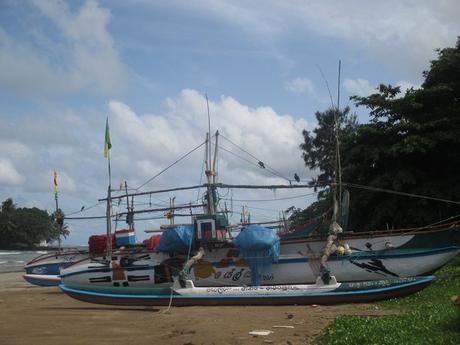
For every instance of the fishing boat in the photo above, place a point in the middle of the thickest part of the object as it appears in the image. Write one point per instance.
(187, 294)
(44, 270)
(298, 260)
(298, 263)
(369, 256)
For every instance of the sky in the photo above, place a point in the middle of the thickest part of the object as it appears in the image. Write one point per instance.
(265, 66)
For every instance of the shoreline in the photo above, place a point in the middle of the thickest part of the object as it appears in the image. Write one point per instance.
(44, 315)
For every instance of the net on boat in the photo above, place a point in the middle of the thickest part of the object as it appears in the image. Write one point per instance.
(260, 247)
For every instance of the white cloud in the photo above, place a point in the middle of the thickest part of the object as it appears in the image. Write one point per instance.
(149, 142)
(300, 85)
(14, 149)
(406, 85)
(81, 56)
(362, 87)
(8, 173)
(143, 145)
(401, 34)
(359, 87)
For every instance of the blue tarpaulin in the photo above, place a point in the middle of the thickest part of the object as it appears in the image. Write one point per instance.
(176, 240)
(260, 247)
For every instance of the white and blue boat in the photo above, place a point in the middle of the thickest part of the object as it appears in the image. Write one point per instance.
(44, 270)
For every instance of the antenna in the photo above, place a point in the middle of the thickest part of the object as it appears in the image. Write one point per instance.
(338, 87)
(209, 128)
(339, 167)
(327, 85)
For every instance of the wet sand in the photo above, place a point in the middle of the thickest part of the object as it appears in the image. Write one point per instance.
(38, 315)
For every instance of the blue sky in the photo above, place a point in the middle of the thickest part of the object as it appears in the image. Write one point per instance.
(66, 66)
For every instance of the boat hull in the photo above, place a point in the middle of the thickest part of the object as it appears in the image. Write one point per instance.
(301, 269)
(340, 295)
(377, 256)
(51, 264)
(113, 277)
(42, 279)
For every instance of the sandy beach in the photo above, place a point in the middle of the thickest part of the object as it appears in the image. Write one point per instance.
(37, 315)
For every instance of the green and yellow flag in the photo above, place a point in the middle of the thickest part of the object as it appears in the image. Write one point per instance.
(108, 140)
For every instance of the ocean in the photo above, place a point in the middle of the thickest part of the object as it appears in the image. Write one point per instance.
(14, 260)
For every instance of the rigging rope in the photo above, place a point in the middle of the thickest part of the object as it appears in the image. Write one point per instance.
(375, 189)
(274, 199)
(172, 164)
(259, 163)
(86, 208)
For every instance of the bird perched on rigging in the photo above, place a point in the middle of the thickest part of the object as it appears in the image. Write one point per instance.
(296, 177)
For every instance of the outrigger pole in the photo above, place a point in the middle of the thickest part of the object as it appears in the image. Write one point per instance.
(163, 209)
(221, 185)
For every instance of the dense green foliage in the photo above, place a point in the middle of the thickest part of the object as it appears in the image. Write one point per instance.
(428, 317)
(26, 227)
(319, 145)
(410, 145)
(319, 153)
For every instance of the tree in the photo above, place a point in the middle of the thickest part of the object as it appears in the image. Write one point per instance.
(33, 226)
(319, 149)
(59, 226)
(26, 227)
(411, 145)
(7, 226)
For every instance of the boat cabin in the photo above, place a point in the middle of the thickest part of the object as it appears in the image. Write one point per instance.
(210, 228)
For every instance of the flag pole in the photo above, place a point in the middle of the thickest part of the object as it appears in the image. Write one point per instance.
(107, 146)
(57, 214)
(109, 210)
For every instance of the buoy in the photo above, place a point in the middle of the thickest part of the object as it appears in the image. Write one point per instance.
(340, 250)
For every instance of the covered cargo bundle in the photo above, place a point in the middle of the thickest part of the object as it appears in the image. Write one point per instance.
(125, 237)
(260, 247)
(152, 242)
(98, 244)
(176, 240)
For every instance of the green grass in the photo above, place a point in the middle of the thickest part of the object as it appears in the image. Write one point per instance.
(427, 317)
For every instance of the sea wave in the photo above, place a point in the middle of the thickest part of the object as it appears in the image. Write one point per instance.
(10, 253)
(3, 262)
(41, 252)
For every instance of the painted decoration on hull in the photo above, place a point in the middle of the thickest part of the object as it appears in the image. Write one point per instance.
(375, 266)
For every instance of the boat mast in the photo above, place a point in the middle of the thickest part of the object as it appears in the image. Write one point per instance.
(339, 166)
(337, 184)
(130, 209)
(210, 172)
(335, 227)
